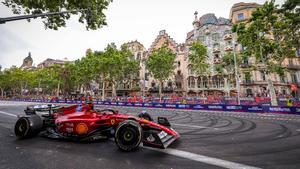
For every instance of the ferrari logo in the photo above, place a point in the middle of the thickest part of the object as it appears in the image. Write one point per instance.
(112, 121)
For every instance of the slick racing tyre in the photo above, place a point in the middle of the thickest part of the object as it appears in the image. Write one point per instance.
(29, 126)
(145, 116)
(128, 135)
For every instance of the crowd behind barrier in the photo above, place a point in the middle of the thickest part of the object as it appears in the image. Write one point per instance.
(190, 104)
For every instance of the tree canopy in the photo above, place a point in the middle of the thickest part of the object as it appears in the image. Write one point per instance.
(198, 58)
(160, 64)
(91, 12)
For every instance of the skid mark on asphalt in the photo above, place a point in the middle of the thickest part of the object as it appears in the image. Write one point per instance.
(8, 114)
(194, 126)
(204, 159)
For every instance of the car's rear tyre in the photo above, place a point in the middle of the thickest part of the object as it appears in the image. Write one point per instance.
(145, 116)
(29, 126)
(128, 135)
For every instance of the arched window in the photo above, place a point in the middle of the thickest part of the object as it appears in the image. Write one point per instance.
(205, 82)
(199, 82)
(191, 82)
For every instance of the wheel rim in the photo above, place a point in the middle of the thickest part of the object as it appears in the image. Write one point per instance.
(22, 127)
(128, 136)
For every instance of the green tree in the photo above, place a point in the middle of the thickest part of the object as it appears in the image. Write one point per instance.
(94, 17)
(197, 58)
(4, 82)
(266, 36)
(160, 64)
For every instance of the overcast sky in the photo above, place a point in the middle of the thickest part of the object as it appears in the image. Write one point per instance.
(127, 20)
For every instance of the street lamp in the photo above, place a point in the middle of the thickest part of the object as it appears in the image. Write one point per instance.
(15, 18)
(237, 78)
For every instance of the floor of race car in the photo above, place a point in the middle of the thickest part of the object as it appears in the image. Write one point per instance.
(208, 140)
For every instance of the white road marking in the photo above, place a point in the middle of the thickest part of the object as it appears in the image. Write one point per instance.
(194, 126)
(204, 159)
(9, 114)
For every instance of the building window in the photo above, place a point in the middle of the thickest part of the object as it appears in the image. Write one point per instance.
(241, 16)
(247, 77)
(191, 82)
(294, 78)
(227, 32)
(282, 79)
(246, 61)
(178, 63)
(283, 92)
(249, 92)
(216, 56)
(146, 76)
(216, 45)
(228, 43)
(201, 39)
(298, 52)
(263, 76)
(138, 57)
(290, 61)
(215, 37)
(170, 84)
(153, 84)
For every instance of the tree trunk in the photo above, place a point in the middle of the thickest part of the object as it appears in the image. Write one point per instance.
(113, 90)
(159, 90)
(272, 91)
(103, 90)
(2, 93)
(38, 90)
(58, 88)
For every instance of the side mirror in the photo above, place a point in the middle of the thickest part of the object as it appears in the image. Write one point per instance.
(163, 121)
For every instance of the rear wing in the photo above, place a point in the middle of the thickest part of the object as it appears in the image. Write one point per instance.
(32, 109)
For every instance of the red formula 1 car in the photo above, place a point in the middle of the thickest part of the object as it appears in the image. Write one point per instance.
(83, 123)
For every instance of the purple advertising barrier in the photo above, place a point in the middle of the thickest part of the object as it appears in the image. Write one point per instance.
(212, 107)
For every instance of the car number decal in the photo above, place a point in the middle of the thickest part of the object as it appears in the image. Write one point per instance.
(162, 134)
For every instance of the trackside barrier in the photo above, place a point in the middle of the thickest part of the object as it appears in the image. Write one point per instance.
(214, 107)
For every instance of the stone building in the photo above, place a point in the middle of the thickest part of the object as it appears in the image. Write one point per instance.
(215, 34)
(49, 62)
(138, 82)
(253, 79)
(148, 85)
(27, 62)
(176, 82)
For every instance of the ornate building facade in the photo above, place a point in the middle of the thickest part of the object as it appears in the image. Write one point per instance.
(215, 33)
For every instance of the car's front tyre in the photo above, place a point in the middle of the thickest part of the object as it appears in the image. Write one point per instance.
(128, 135)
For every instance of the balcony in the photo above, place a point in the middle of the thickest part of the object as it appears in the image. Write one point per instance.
(216, 50)
(217, 61)
(227, 36)
(247, 82)
(245, 65)
(292, 66)
(228, 48)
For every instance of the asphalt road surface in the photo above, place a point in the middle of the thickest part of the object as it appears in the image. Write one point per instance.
(208, 140)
